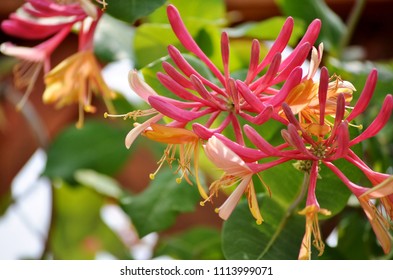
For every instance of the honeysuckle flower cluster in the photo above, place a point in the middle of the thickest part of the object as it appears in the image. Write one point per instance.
(314, 110)
(75, 79)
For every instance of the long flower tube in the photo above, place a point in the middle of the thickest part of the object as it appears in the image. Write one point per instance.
(200, 104)
(231, 99)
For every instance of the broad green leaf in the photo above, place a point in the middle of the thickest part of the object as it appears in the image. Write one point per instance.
(284, 182)
(78, 230)
(113, 39)
(213, 10)
(278, 237)
(332, 194)
(202, 20)
(199, 243)
(157, 207)
(98, 146)
(280, 212)
(333, 28)
(103, 184)
(354, 236)
(131, 10)
(151, 42)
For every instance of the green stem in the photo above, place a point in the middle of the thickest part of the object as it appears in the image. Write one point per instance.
(291, 209)
(351, 25)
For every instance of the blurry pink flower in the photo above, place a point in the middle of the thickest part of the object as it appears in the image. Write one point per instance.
(39, 19)
(32, 61)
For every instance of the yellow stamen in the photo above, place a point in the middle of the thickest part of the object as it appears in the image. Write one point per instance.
(133, 115)
(312, 228)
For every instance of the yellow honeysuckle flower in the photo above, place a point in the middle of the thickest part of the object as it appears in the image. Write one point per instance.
(74, 80)
(303, 99)
(180, 140)
(312, 228)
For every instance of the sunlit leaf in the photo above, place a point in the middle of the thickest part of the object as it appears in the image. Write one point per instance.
(268, 29)
(333, 28)
(212, 10)
(157, 207)
(151, 42)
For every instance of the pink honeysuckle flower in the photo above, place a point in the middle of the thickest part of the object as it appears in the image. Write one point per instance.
(382, 191)
(55, 18)
(43, 18)
(199, 98)
(304, 101)
(312, 147)
(236, 170)
(325, 148)
(32, 61)
(144, 91)
(253, 99)
(311, 212)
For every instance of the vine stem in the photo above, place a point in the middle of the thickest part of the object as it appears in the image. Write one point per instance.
(352, 21)
(291, 209)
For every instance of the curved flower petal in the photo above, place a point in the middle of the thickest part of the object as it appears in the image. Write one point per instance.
(141, 88)
(136, 131)
(225, 159)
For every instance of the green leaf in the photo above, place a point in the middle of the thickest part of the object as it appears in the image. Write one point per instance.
(268, 29)
(97, 146)
(113, 39)
(278, 237)
(212, 10)
(157, 207)
(199, 243)
(270, 240)
(151, 42)
(202, 19)
(354, 236)
(103, 184)
(78, 230)
(332, 29)
(131, 10)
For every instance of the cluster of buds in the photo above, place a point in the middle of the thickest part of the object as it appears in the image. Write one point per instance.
(76, 78)
(315, 113)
